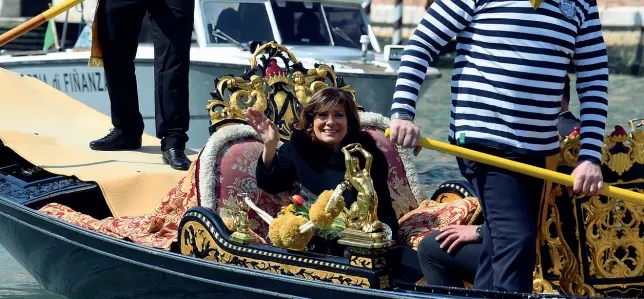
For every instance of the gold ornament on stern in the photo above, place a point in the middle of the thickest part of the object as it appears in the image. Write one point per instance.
(607, 228)
(278, 91)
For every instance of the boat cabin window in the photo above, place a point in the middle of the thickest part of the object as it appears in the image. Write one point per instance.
(243, 22)
(301, 23)
(346, 25)
(307, 23)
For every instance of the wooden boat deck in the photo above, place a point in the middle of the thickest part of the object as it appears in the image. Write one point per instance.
(51, 130)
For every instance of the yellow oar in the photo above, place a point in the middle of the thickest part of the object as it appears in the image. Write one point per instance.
(522, 168)
(37, 21)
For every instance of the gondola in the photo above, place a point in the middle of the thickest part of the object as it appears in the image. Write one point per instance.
(67, 223)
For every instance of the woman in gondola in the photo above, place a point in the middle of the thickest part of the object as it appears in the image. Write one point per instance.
(313, 157)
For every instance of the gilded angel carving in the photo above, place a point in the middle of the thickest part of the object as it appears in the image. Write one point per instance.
(302, 92)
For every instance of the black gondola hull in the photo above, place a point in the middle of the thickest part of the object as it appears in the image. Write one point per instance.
(78, 263)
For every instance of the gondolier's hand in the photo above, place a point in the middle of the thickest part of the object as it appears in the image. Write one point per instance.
(266, 128)
(404, 133)
(588, 179)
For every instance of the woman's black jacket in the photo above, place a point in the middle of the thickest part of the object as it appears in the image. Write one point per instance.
(319, 168)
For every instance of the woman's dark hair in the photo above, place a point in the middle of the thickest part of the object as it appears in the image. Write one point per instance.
(322, 101)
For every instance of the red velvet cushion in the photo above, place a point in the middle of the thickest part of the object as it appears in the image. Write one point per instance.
(399, 188)
(235, 172)
(431, 216)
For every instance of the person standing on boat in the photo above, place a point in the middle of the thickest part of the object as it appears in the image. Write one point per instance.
(449, 257)
(119, 25)
(509, 73)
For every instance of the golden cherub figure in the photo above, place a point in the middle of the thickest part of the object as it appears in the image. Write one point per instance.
(363, 214)
(258, 92)
(301, 91)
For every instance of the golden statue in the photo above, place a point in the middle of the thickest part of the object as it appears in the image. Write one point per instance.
(301, 91)
(363, 214)
(238, 211)
(259, 93)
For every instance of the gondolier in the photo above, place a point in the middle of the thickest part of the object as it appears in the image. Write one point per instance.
(117, 25)
(509, 73)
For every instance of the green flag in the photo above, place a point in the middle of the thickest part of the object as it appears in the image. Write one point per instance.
(50, 36)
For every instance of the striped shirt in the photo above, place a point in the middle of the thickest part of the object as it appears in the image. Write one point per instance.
(510, 69)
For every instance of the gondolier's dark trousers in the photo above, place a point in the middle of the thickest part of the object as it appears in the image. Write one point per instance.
(510, 203)
(172, 23)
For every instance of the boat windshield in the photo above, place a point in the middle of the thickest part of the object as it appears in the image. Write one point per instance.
(346, 25)
(303, 23)
(242, 22)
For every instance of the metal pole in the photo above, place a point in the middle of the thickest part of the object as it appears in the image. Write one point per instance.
(396, 39)
(64, 37)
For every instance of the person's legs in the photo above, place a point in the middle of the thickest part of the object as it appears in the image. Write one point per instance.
(119, 26)
(172, 24)
(484, 275)
(509, 200)
(444, 269)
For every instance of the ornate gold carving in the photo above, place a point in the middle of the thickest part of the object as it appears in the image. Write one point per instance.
(569, 151)
(637, 141)
(370, 258)
(278, 91)
(633, 123)
(237, 211)
(363, 214)
(564, 262)
(384, 282)
(360, 239)
(613, 237)
(620, 162)
(201, 242)
(611, 228)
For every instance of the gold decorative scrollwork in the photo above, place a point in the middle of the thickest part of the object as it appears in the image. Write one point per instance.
(611, 228)
(278, 91)
(613, 235)
(199, 241)
(569, 151)
(384, 282)
(369, 263)
(564, 262)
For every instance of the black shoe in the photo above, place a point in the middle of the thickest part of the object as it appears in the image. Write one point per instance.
(176, 158)
(116, 140)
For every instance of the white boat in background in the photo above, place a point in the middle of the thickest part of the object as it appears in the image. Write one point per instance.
(329, 32)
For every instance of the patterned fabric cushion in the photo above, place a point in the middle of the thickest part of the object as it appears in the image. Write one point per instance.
(235, 175)
(157, 229)
(431, 216)
(399, 187)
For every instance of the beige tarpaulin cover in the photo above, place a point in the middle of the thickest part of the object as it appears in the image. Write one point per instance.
(52, 130)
